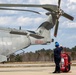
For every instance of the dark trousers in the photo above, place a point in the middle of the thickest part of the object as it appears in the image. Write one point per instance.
(57, 64)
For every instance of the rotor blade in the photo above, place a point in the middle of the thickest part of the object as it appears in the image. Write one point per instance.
(19, 5)
(45, 6)
(25, 5)
(68, 16)
(36, 36)
(56, 28)
(20, 10)
(59, 1)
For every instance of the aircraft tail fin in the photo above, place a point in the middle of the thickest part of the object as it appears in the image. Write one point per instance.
(44, 29)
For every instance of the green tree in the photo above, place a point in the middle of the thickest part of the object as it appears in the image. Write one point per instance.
(18, 58)
(52, 56)
(74, 48)
(11, 58)
(73, 55)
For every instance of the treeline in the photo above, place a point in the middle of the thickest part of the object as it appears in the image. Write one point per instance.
(39, 55)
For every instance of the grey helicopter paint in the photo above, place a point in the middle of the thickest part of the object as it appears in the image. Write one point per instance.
(12, 40)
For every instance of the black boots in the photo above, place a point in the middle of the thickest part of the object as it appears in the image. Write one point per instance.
(56, 72)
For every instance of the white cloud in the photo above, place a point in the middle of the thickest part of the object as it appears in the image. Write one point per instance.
(33, 1)
(27, 21)
(48, 1)
(19, 1)
(68, 24)
(24, 20)
(5, 20)
(72, 37)
(72, 7)
(38, 20)
(73, 1)
(9, 12)
(11, 1)
(72, 25)
(20, 21)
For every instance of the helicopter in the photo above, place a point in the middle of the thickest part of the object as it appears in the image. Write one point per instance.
(13, 40)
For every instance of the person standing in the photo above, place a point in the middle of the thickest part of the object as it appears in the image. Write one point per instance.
(57, 57)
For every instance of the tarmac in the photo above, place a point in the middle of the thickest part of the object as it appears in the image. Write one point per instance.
(32, 69)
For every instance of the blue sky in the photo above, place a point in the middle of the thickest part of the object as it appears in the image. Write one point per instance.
(30, 21)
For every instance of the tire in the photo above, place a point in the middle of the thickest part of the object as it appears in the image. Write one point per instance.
(69, 60)
(69, 66)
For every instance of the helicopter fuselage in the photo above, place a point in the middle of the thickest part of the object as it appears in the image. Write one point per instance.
(9, 43)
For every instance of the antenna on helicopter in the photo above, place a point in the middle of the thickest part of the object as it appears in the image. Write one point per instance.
(19, 27)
